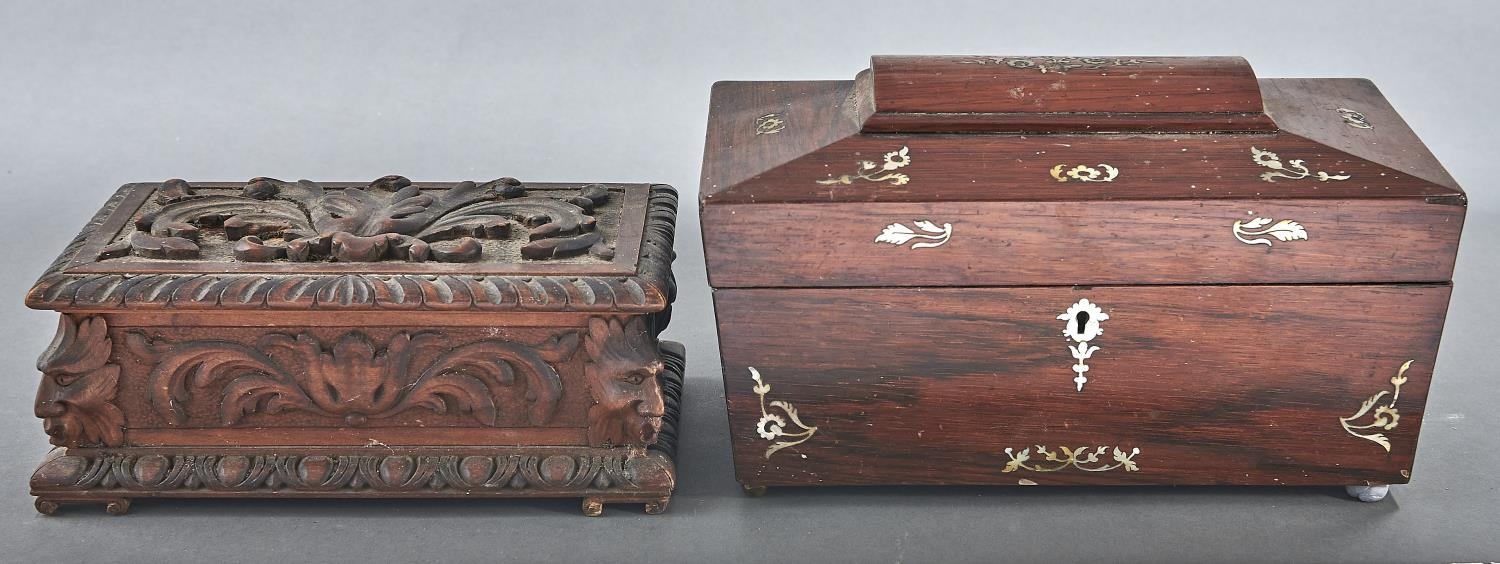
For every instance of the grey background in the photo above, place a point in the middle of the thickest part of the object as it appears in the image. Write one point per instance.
(96, 95)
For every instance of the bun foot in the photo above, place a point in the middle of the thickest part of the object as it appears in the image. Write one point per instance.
(117, 506)
(657, 507)
(1367, 493)
(593, 507)
(754, 491)
(46, 506)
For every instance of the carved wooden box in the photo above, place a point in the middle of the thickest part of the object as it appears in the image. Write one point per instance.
(1065, 270)
(280, 339)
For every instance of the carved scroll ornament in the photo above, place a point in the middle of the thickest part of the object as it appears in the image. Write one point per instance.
(391, 219)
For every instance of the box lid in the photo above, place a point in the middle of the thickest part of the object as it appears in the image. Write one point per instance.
(1071, 170)
(388, 244)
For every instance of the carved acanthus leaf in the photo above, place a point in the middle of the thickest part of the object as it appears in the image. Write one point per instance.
(390, 219)
(496, 383)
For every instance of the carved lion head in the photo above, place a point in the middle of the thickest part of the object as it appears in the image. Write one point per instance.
(623, 365)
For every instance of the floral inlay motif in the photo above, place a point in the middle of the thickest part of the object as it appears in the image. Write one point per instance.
(1084, 173)
(1087, 459)
(869, 171)
(1295, 169)
(1354, 119)
(1084, 318)
(769, 123)
(772, 426)
(1383, 415)
(391, 219)
(1284, 230)
(1059, 65)
(898, 234)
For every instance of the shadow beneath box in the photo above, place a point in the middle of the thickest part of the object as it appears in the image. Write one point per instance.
(372, 508)
(853, 497)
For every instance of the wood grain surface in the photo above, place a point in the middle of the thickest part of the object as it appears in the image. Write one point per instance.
(1214, 384)
(1064, 243)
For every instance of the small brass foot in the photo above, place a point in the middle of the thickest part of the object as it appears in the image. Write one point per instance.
(657, 507)
(593, 507)
(46, 506)
(117, 506)
(754, 491)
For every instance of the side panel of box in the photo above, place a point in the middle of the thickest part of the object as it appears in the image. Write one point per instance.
(163, 379)
(1272, 385)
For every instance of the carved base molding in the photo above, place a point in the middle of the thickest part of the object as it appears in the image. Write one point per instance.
(114, 476)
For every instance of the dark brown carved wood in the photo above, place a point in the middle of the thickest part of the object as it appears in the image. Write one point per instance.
(343, 340)
(1074, 270)
(497, 383)
(622, 375)
(77, 394)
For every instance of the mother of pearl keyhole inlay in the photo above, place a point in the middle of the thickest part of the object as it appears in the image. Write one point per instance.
(1084, 320)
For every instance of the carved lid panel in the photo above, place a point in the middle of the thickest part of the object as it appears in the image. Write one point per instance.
(280, 244)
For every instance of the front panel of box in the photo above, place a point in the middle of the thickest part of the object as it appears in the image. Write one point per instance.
(1272, 385)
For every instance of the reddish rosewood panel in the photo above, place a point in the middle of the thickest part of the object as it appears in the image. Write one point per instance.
(976, 84)
(1213, 384)
(1070, 243)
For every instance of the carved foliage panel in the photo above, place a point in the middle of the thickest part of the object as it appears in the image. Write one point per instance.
(215, 377)
(270, 220)
(603, 376)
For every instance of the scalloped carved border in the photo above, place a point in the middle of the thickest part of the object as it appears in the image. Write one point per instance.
(601, 474)
(651, 289)
(563, 470)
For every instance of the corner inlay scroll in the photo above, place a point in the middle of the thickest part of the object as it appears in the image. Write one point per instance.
(1383, 416)
(1284, 230)
(495, 383)
(1083, 325)
(772, 426)
(883, 172)
(899, 234)
(1087, 459)
(76, 397)
(1295, 169)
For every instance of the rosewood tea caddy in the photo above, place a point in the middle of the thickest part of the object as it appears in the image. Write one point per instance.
(296, 339)
(1074, 271)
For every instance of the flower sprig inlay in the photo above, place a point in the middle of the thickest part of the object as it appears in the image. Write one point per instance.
(871, 172)
(1385, 416)
(898, 234)
(1083, 458)
(1295, 169)
(772, 426)
(1284, 230)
